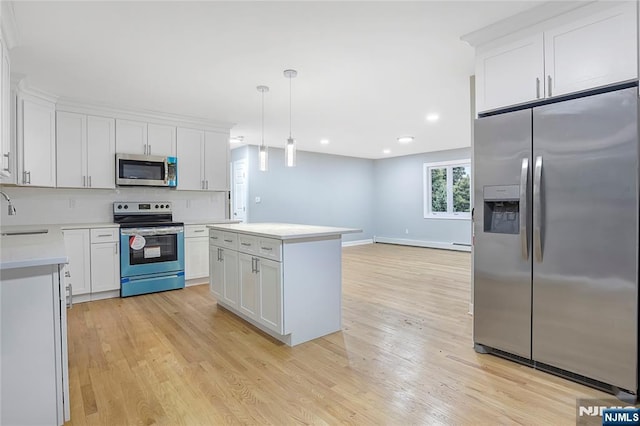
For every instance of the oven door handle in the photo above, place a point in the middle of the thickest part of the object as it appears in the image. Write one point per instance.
(164, 230)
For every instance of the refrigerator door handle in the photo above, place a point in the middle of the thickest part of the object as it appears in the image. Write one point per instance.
(524, 178)
(537, 210)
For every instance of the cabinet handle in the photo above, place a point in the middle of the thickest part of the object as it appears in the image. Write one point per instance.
(266, 248)
(8, 157)
(199, 230)
(84, 181)
(67, 274)
(221, 255)
(253, 265)
(228, 241)
(145, 149)
(537, 88)
(104, 235)
(116, 247)
(29, 174)
(257, 269)
(207, 184)
(149, 147)
(90, 182)
(549, 85)
(214, 238)
(70, 301)
(246, 244)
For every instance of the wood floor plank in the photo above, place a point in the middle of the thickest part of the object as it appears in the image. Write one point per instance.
(404, 356)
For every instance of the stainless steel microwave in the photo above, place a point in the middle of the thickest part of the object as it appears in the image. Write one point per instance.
(146, 170)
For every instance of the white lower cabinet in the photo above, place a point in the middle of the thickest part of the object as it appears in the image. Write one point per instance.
(94, 262)
(249, 286)
(196, 252)
(223, 266)
(270, 284)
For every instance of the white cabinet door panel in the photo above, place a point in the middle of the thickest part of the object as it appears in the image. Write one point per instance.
(216, 272)
(8, 149)
(249, 289)
(161, 140)
(510, 74)
(105, 267)
(101, 144)
(593, 51)
(190, 159)
(38, 143)
(131, 137)
(270, 273)
(216, 161)
(230, 281)
(71, 149)
(76, 243)
(196, 257)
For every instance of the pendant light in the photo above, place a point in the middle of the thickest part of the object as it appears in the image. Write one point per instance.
(263, 155)
(290, 147)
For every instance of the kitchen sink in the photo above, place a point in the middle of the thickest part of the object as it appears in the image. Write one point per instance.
(30, 232)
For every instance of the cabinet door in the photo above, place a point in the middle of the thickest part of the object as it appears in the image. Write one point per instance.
(71, 150)
(76, 243)
(7, 170)
(216, 271)
(592, 52)
(248, 286)
(161, 140)
(131, 137)
(270, 273)
(216, 161)
(105, 267)
(101, 148)
(196, 257)
(190, 159)
(38, 142)
(230, 280)
(510, 74)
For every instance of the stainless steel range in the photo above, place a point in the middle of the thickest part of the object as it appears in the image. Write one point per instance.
(151, 247)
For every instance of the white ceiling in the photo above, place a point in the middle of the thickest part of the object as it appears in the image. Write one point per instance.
(368, 72)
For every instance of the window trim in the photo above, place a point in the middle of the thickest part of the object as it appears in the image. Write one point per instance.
(427, 213)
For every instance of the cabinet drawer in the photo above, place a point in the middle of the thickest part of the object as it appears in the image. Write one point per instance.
(270, 248)
(223, 239)
(191, 231)
(105, 235)
(247, 244)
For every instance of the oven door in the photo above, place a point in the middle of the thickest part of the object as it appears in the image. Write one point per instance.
(142, 170)
(151, 250)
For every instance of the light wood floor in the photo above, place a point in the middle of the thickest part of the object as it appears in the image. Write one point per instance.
(404, 357)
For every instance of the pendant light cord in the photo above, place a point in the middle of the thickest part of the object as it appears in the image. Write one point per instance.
(290, 107)
(263, 118)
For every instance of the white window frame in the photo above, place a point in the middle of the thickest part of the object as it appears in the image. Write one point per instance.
(426, 175)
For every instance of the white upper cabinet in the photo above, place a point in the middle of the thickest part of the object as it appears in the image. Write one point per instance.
(161, 140)
(510, 74)
(85, 151)
(7, 148)
(591, 52)
(131, 137)
(137, 137)
(589, 47)
(36, 141)
(216, 161)
(203, 160)
(101, 152)
(190, 159)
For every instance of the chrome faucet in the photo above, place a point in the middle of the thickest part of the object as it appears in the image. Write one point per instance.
(11, 210)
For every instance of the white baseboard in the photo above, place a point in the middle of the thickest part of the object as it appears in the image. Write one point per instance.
(357, 242)
(196, 281)
(422, 243)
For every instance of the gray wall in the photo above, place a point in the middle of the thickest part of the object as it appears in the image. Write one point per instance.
(321, 190)
(398, 201)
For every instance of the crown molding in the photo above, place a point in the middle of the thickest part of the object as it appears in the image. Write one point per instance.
(522, 20)
(10, 33)
(151, 116)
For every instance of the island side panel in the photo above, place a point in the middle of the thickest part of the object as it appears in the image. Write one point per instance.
(312, 287)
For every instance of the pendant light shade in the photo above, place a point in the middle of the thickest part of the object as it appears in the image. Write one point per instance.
(263, 154)
(290, 147)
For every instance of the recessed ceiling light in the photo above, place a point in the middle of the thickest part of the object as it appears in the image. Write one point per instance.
(405, 139)
(433, 117)
(236, 139)
(386, 151)
(324, 141)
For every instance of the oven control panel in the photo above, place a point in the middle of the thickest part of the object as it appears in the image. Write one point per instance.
(147, 207)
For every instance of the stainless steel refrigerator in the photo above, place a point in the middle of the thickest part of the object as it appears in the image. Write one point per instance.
(556, 237)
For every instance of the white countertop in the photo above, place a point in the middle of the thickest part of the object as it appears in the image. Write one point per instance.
(284, 231)
(210, 221)
(23, 251)
(87, 225)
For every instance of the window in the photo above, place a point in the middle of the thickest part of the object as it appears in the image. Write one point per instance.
(447, 190)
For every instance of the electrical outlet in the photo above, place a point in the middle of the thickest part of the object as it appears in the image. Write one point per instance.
(72, 203)
(258, 200)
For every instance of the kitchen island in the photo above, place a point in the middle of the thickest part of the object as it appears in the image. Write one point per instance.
(285, 279)
(34, 385)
